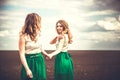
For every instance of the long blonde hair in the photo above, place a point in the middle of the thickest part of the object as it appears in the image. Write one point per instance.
(31, 26)
(66, 29)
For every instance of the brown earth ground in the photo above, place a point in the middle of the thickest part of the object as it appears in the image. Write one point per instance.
(88, 65)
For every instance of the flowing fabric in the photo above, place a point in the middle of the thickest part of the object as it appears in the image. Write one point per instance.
(63, 67)
(36, 64)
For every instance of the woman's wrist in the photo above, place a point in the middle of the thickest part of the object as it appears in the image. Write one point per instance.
(55, 37)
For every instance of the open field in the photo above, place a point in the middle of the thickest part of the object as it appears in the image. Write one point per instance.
(88, 65)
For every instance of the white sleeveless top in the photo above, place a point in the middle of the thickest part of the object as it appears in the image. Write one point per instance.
(62, 45)
(32, 47)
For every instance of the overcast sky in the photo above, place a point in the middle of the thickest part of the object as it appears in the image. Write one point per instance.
(95, 24)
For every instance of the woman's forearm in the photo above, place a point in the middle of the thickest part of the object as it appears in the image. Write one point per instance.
(23, 61)
(53, 40)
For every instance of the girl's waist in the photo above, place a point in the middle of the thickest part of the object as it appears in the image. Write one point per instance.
(32, 55)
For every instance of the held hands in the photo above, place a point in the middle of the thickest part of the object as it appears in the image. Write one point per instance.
(49, 56)
(59, 37)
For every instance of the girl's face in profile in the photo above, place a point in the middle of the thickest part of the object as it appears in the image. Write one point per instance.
(59, 28)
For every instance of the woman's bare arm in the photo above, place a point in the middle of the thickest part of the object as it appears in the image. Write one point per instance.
(22, 56)
(53, 41)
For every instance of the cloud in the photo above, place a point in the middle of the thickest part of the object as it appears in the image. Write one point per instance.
(110, 23)
(2, 2)
(98, 40)
(95, 28)
(4, 33)
(107, 5)
(108, 45)
(91, 21)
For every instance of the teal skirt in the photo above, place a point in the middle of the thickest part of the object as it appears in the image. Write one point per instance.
(36, 64)
(63, 67)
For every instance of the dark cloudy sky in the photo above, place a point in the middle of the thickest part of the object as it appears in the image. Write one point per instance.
(95, 24)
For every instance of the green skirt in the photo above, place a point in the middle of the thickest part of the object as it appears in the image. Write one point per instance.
(36, 64)
(63, 67)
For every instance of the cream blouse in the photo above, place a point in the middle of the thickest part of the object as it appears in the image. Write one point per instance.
(62, 44)
(32, 47)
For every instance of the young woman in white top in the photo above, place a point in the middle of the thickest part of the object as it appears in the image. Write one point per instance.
(63, 68)
(30, 49)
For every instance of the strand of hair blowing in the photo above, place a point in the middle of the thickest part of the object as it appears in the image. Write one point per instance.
(67, 31)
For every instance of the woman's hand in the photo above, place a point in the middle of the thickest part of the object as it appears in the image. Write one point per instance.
(29, 74)
(47, 57)
(50, 56)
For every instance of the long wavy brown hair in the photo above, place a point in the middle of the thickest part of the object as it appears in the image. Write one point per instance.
(31, 26)
(66, 29)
